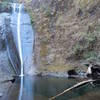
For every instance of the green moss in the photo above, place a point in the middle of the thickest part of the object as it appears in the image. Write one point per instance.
(91, 37)
(32, 17)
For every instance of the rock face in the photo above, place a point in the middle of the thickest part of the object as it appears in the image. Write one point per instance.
(67, 31)
(6, 71)
(11, 47)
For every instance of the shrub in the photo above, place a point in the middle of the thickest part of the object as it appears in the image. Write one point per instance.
(89, 54)
(31, 15)
(85, 47)
(47, 12)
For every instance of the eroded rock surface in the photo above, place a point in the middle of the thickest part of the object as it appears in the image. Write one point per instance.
(5, 67)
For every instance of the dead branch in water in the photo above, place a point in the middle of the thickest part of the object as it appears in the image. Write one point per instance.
(75, 86)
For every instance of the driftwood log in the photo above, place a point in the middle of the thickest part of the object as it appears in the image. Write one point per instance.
(93, 73)
(73, 87)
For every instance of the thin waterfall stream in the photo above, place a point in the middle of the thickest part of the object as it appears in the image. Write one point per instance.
(19, 39)
(20, 48)
(19, 8)
(24, 39)
(20, 52)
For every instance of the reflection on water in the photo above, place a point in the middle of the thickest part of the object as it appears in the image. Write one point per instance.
(39, 88)
(28, 88)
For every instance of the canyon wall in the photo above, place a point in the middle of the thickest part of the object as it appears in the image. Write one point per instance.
(67, 33)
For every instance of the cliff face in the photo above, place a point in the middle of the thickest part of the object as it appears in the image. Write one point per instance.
(6, 71)
(67, 31)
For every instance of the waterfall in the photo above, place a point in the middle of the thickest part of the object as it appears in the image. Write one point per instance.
(24, 38)
(20, 50)
(19, 8)
(19, 39)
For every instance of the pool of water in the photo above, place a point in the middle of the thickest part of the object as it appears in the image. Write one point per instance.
(42, 88)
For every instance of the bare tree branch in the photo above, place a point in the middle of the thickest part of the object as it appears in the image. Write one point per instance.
(73, 87)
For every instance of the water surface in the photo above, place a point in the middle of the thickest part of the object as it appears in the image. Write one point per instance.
(42, 88)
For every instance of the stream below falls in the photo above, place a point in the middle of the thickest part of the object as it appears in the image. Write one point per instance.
(42, 88)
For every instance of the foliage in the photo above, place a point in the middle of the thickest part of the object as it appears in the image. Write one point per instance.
(47, 12)
(89, 54)
(78, 51)
(32, 19)
(85, 47)
(31, 15)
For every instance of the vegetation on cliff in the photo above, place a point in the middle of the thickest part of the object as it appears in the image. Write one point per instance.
(67, 31)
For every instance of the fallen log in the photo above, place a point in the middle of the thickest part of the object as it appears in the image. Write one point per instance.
(73, 87)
